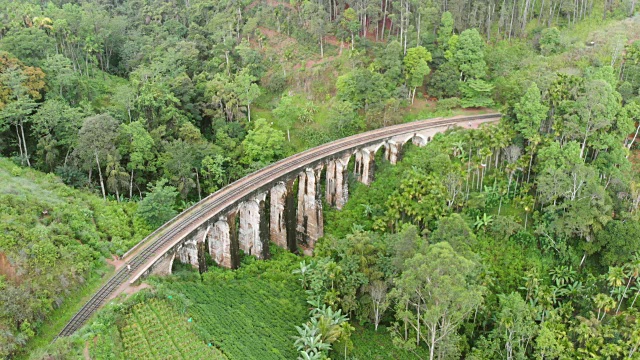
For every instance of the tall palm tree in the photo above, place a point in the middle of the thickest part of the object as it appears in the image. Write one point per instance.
(632, 271)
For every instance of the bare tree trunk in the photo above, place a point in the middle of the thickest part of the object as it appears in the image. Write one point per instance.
(530, 162)
(20, 145)
(104, 194)
(384, 18)
(406, 35)
(198, 185)
(418, 41)
(401, 23)
(634, 137)
(513, 13)
(131, 186)
(524, 16)
(24, 144)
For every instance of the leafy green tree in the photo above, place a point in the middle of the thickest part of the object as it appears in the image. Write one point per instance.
(416, 65)
(445, 31)
(390, 62)
(568, 184)
(96, 141)
(61, 77)
(454, 230)
(404, 244)
(30, 44)
(344, 118)
(434, 295)
(350, 24)
(362, 87)
(248, 91)
(318, 21)
(530, 113)
(378, 290)
(263, 143)
(213, 171)
(516, 326)
(592, 111)
(469, 55)
(616, 243)
(17, 110)
(420, 199)
(443, 83)
(550, 42)
(179, 164)
(138, 144)
(632, 111)
(158, 206)
(476, 93)
(117, 177)
(287, 113)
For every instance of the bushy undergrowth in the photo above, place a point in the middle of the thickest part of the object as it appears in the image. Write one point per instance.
(53, 238)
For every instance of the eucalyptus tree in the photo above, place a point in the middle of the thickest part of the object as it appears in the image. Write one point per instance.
(434, 295)
(530, 112)
(96, 141)
(416, 67)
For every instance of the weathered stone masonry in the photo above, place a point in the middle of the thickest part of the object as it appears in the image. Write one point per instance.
(288, 217)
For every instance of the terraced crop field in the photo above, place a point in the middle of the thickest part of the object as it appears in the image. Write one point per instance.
(153, 330)
(251, 318)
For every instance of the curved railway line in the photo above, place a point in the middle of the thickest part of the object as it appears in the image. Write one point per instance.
(143, 255)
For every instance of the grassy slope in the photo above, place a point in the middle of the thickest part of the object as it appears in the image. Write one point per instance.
(37, 192)
(60, 316)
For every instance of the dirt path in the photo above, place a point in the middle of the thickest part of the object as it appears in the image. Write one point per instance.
(85, 351)
(116, 262)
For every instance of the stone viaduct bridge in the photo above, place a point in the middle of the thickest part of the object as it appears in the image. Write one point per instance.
(281, 204)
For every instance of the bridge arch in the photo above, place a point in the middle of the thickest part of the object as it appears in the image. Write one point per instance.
(262, 206)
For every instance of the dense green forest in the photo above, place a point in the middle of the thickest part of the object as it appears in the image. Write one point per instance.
(516, 241)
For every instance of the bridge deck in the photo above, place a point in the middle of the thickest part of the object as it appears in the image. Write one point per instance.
(149, 250)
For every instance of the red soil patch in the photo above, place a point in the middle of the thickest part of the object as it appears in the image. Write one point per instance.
(311, 63)
(115, 261)
(7, 269)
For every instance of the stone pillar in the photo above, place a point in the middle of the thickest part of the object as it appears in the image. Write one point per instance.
(249, 234)
(290, 217)
(188, 252)
(220, 243)
(337, 190)
(364, 166)
(330, 182)
(202, 260)
(277, 221)
(357, 166)
(392, 150)
(263, 229)
(163, 266)
(309, 220)
(234, 246)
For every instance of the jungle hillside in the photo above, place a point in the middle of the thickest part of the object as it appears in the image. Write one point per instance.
(517, 240)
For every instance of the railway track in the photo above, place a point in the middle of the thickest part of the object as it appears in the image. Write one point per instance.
(170, 233)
